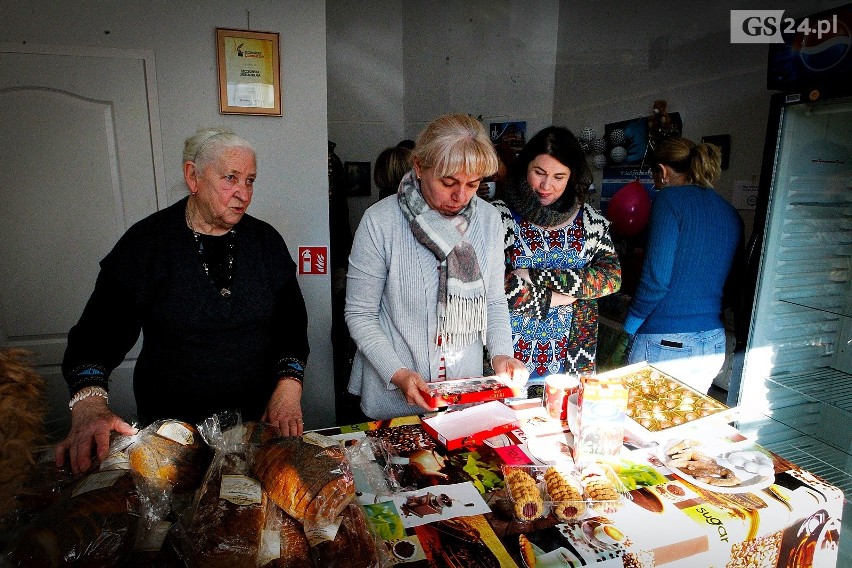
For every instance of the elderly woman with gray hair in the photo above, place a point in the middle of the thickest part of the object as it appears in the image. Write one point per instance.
(425, 285)
(214, 293)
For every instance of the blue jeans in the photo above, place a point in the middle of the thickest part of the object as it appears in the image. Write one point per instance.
(692, 358)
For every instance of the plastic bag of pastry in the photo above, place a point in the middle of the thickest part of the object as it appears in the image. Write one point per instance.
(170, 451)
(153, 548)
(25, 499)
(349, 542)
(94, 525)
(257, 433)
(377, 467)
(229, 512)
(603, 489)
(311, 483)
(284, 544)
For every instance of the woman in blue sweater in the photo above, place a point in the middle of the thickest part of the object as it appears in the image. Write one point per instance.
(675, 318)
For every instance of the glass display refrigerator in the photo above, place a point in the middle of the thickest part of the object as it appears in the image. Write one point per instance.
(795, 391)
(794, 387)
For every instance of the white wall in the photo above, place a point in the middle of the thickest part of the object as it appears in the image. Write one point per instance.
(574, 64)
(395, 66)
(616, 58)
(292, 188)
(365, 84)
(494, 59)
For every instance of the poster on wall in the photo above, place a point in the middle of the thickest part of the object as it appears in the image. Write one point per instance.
(357, 178)
(509, 138)
(627, 153)
(249, 73)
(723, 141)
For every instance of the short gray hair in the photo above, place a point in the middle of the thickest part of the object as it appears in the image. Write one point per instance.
(207, 144)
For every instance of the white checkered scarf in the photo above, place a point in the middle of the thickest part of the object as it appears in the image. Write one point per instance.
(462, 313)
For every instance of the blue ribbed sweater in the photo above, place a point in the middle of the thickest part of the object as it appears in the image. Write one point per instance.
(692, 240)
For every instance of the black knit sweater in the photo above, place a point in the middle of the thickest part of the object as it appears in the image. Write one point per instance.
(201, 352)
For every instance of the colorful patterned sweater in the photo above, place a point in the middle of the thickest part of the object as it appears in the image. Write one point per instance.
(600, 277)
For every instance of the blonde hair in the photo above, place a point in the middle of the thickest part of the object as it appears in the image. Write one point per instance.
(701, 164)
(207, 144)
(456, 143)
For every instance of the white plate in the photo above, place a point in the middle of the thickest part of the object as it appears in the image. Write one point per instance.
(749, 483)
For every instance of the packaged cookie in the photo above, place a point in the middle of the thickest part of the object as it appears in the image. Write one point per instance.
(525, 489)
(565, 493)
(602, 488)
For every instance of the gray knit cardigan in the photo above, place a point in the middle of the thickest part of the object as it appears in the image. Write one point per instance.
(391, 306)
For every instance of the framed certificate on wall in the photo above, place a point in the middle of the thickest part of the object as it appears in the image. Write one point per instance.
(249, 72)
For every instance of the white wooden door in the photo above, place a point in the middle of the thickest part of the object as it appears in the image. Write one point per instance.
(79, 165)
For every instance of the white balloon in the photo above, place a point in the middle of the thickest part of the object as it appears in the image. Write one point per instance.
(618, 154)
(588, 134)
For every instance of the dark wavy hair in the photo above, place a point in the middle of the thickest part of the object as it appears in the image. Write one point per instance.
(561, 144)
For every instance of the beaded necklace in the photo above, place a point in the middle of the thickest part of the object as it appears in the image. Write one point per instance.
(223, 276)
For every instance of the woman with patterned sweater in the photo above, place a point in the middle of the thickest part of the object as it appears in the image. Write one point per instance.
(559, 258)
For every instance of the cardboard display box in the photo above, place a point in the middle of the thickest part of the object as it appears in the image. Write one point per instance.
(660, 407)
(464, 391)
(471, 426)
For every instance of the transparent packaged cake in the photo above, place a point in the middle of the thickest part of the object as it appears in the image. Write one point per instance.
(567, 492)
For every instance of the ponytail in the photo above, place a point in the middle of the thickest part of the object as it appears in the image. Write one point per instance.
(701, 164)
(705, 164)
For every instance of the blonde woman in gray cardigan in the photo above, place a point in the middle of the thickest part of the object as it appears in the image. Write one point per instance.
(425, 289)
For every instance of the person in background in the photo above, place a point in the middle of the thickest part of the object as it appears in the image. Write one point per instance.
(391, 165)
(340, 241)
(559, 257)
(675, 318)
(493, 187)
(214, 293)
(425, 290)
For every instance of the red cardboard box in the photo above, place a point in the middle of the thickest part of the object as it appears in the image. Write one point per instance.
(464, 391)
(472, 425)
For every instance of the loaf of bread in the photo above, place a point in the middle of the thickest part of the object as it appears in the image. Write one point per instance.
(258, 433)
(353, 546)
(310, 483)
(94, 526)
(171, 451)
(229, 515)
(291, 549)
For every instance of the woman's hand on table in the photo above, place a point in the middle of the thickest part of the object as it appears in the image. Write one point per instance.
(284, 409)
(413, 387)
(92, 420)
(509, 369)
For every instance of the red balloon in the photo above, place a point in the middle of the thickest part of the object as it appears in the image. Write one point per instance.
(629, 209)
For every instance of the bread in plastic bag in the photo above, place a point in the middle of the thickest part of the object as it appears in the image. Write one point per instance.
(95, 525)
(312, 484)
(230, 510)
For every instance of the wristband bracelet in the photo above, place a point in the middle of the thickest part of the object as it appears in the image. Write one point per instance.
(86, 392)
(289, 378)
